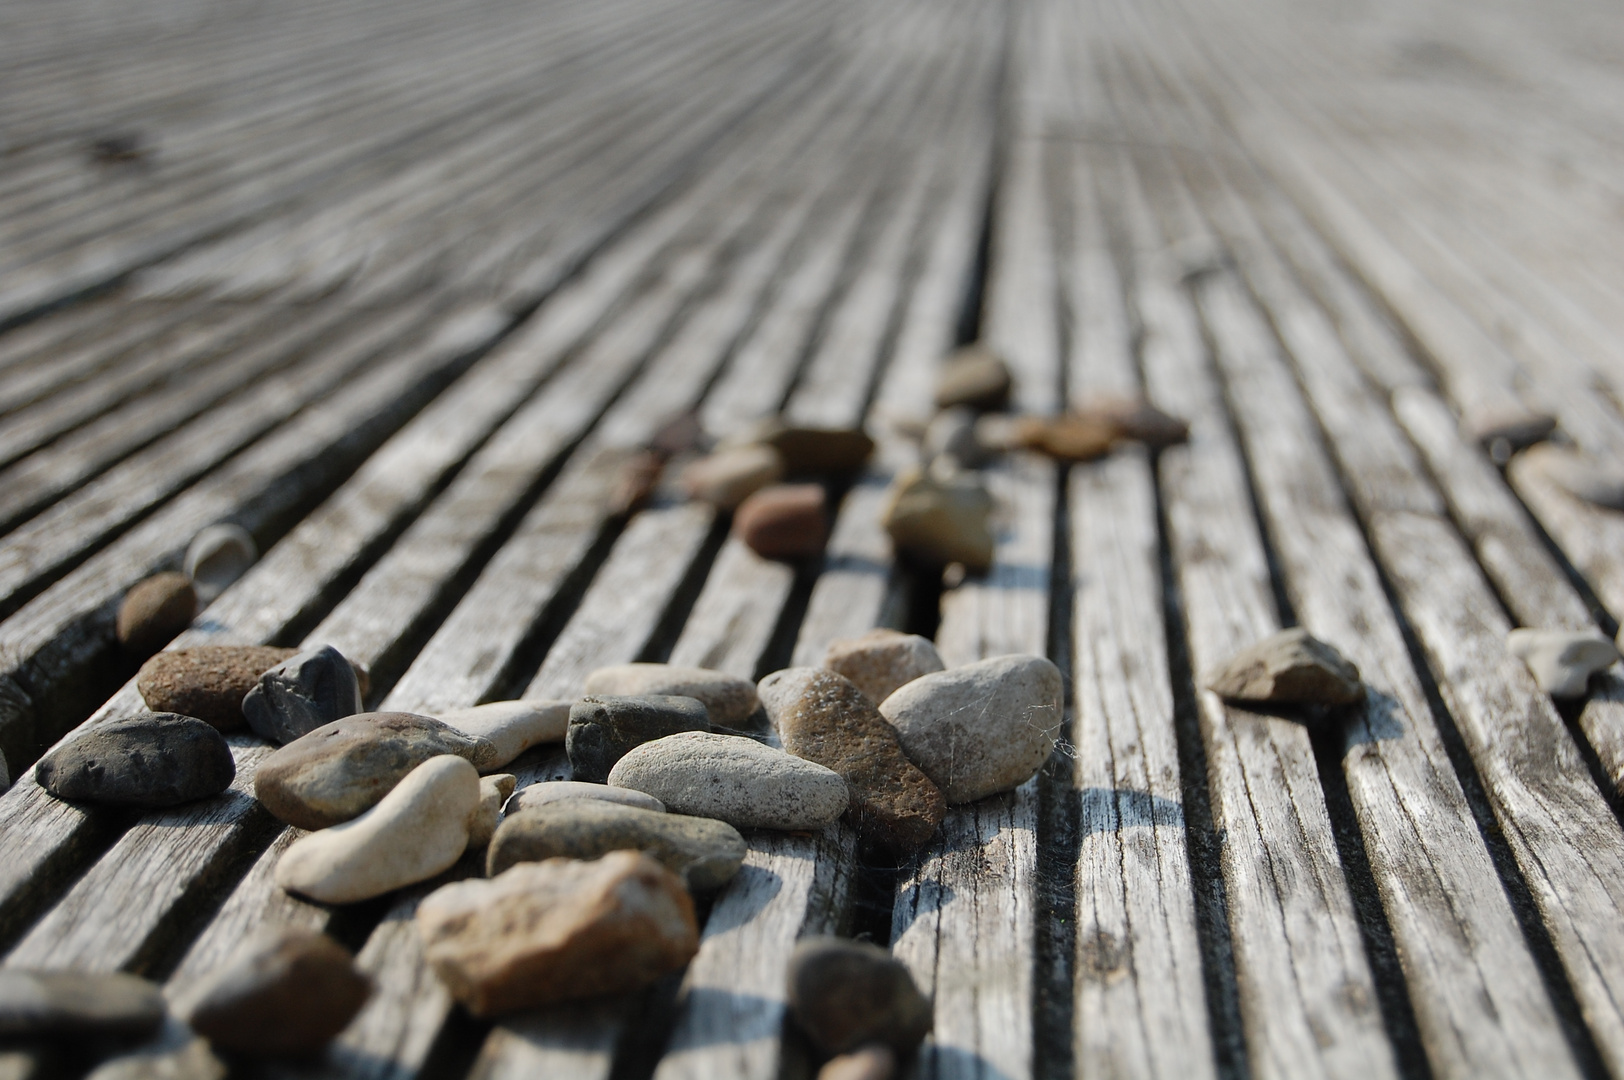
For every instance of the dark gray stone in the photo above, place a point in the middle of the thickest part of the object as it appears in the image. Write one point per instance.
(301, 694)
(286, 994)
(704, 852)
(341, 770)
(51, 1005)
(604, 728)
(146, 761)
(845, 994)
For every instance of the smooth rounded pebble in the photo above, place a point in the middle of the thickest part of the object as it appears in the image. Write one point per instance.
(559, 790)
(1580, 475)
(146, 761)
(731, 475)
(511, 727)
(154, 611)
(1562, 661)
(558, 930)
(847, 994)
(873, 1062)
(301, 694)
(218, 556)
(728, 699)
(1067, 438)
(493, 795)
(704, 852)
(52, 1005)
(823, 717)
(735, 780)
(207, 681)
(953, 432)
(285, 993)
(982, 728)
(786, 521)
(1291, 667)
(604, 727)
(938, 519)
(342, 769)
(881, 660)
(973, 376)
(417, 830)
(807, 450)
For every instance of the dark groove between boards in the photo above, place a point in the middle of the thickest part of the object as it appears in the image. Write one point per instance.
(1202, 839)
(56, 876)
(668, 629)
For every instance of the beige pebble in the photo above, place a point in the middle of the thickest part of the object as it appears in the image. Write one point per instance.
(728, 699)
(512, 727)
(732, 474)
(881, 660)
(733, 779)
(1562, 661)
(493, 795)
(559, 790)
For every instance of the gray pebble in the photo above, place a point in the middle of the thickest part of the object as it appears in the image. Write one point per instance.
(735, 780)
(604, 727)
(146, 761)
(52, 1005)
(301, 694)
(705, 853)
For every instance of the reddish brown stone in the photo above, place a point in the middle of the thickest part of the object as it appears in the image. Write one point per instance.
(155, 611)
(208, 681)
(789, 521)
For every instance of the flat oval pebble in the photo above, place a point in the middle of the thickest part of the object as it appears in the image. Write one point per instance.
(417, 830)
(301, 694)
(728, 699)
(511, 727)
(154, 611)
(1562, 661)
(285, 993)
(493, 795)
(982, 728)
(146, 761)
(558, 930)
(735, 780)
(953, 432)
(847, 994)
(1291, 667)
(823, 717)
(936, 519)
(787, 521)
(53, 1005)
(881, 660)
(218, 556)
(731, 475)
(558, 790)
(342, 769)
(604, 727)
(809, 450)
(704, 852)
(1068, 438)
(973, 376)
(207, 681)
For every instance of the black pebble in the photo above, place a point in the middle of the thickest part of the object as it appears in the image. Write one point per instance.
(147, 761)
(605, 728)
(301, 694)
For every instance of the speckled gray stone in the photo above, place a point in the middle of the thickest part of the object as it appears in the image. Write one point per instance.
(727, 698)
(301, 694)
(603, 727)
(735, 780)
(557, 790)
(148, 761)
(704, 852)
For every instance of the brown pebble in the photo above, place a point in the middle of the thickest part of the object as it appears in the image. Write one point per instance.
(285, 994)
(155, 611)
(1067, 438)
(882, 660)
(789, 521)
(1140, 421)
(876, 1062)
(974, 376)
(1291, 667)
(638, 480)
(810, 450)
(847, 994)
(207, 681)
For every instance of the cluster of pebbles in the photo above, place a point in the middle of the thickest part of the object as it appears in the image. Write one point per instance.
(590, 882)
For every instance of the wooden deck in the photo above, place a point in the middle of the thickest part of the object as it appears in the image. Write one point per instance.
(398, 285)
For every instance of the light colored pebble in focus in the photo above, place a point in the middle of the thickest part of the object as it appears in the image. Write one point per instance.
(727, 698)
(733, 779)
(558, 790)
(493, 794)
(512, 727)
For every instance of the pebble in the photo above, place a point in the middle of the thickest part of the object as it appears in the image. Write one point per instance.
(604, 727)
(735, 780)
(882, 660)
(561, 790)
(727, 698)
(1562, 661)
(186, 1057)
(982, 728)
(558, 930)
(207, 681)
(1067, 438)
(341, 770)
(1288, 668)
(301, 694)
(1580, 475)
(154, 611)
(1140, 421)
(49, 1005)
(1505, 431)
(417, 830)
(787, 521)
(974, 376)
(511, 727)
(636, 483)
(848, 994)
(285, 993)
(732, 474)
(218, 556)
(493, 795)
(953, 432)
(145, 761)
(874, 1062)
(823, 717)
(704, 852)
(680, 433)
(937, 519)
(810, 451)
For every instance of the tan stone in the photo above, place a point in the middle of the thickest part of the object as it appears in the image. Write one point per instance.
(154, 611)
(881, 660)
(732, 474)
(939, 519)
(1289, 668)
(493, 793)
(728, 699)
(511, 727)
(556, 930)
